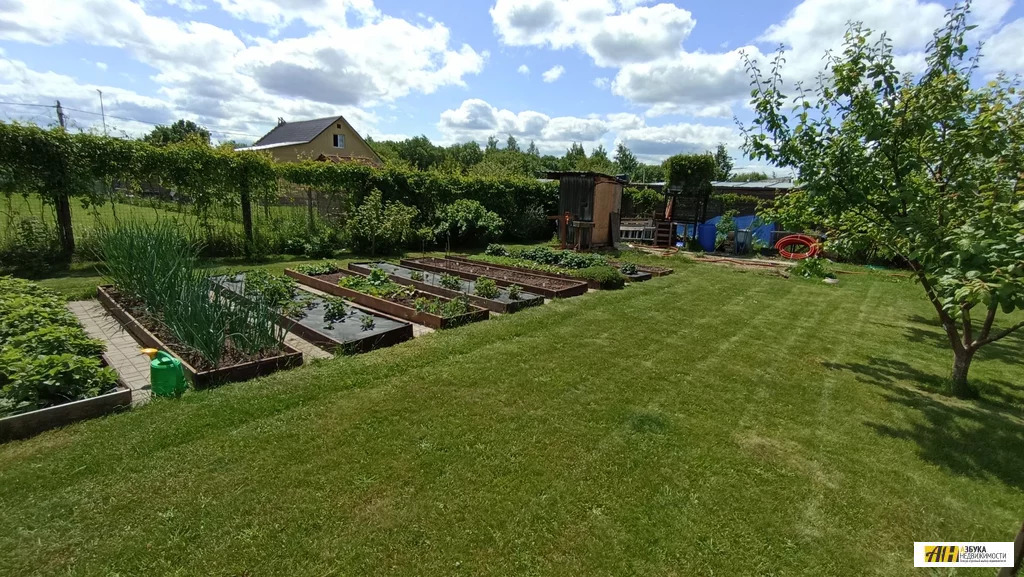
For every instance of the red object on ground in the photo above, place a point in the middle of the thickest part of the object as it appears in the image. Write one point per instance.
(813, 248)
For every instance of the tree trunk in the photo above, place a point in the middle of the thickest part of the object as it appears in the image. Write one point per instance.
(247, 220)
(961, 365)
(64, 230)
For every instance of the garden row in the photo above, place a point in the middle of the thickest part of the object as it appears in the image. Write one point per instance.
(50, 370)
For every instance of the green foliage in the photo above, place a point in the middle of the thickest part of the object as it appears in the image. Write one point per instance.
(467, 222)
(335, 309)
(560, 258)
(646, 202)
(376, 284)
(45, 356)
(377, 226)
(278, 290)
(156, 264)
(450, 282)
(515, 292)
(320, 268)
(30, 249)
(628, 268)
(813, 268)
(486, 288)
(416, 276)
(926, 166)
(181, 131)
(496, 250)
(367, 323)
(691, 173)
(625, 161)
(607, 277)
(447, 309)
(723, 163)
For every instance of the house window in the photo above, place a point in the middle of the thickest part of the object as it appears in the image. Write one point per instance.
(339, 141)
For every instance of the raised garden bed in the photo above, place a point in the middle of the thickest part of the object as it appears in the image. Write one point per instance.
(596, 285)
(502, 303)
(343, 336)
(30, 423)
(401, 308)
(145, 330)
(542, 284)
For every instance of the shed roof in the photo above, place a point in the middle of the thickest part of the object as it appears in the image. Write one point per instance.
(554, 174)
(299, 132)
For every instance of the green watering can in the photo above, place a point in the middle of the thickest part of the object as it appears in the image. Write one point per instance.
(165, 374)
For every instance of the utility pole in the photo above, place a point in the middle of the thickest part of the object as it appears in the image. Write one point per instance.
(60, 115)
(103, 113)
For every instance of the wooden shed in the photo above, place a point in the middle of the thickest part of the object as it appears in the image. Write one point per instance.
(588, 209)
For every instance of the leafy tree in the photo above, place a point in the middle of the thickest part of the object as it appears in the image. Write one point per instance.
(492, 144)
(724, 163)
(749, 176)
(466, 222)
(532, 150)
(507, 164)
(180, 131)
(512, 144)
(927, 166)
(467, 154)
(626, 160)
(574, 157)
(377, 226)
(598, 162)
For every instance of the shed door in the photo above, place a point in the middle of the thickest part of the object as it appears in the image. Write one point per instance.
(576, 196)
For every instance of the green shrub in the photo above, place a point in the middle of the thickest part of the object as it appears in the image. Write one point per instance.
(57, 339)
(30, 249)
(455, 307)
(496, 250)
(486, 288)
(628, 268)
(607, 277)
(379, 227)
(35, 382)
(416, 276)
(813, 267)
(467, 223)
(515, 292)
(451, 282)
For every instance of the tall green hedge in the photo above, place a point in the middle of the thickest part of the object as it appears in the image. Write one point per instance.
(59, 165)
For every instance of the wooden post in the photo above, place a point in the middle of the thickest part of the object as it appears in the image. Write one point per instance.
(62, 206)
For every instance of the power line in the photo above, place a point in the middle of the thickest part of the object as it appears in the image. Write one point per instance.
(212, 130)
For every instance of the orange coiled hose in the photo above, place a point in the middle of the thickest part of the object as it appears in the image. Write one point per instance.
(813, 248)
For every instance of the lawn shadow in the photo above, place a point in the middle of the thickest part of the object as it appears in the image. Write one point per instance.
(1009, 349)
(976, 439)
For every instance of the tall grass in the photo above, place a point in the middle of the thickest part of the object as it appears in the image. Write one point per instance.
(156, 263)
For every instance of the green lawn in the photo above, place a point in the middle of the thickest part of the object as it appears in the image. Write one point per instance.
(712, 422)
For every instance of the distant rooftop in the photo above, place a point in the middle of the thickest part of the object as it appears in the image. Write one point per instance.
(774, 184)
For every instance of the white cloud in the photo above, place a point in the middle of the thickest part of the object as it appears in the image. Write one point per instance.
(612, 34)
(523, 69)
(1003, 52)
(602, 82)
(208, 73)
(476, 120)
(554, 73)
(101, 65)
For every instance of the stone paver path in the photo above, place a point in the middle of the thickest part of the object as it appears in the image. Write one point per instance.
(123, 353)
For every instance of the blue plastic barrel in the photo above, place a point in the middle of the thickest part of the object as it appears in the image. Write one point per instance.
(706, 235)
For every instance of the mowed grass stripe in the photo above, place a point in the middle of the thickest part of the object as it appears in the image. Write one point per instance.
(688, 425)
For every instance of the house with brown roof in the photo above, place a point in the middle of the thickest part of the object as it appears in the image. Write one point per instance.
(331, 138)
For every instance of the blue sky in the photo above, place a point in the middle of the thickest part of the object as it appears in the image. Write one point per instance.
(661, 77)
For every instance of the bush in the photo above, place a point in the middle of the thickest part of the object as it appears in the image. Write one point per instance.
(30, 249)
(450, 282)
(496, 250)
(813, 267)
(528, 225)
(607, 277)
(628, 268)
(486, 288)
(515, 292)
(468, 223)
(45, 356)
(380, 227)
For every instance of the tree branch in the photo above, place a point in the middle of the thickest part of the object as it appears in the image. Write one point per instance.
(1000, 334)
(965, 314)
(990, 318)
